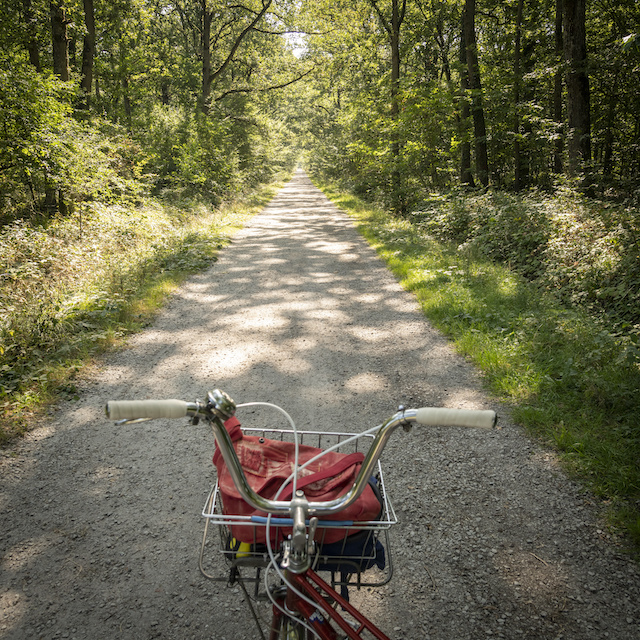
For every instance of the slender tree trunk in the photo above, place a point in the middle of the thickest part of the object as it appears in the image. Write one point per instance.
(59, 40)
(517, 84)
(578, 98)
(475, 84)
(444, 51)
(71, 49)
(88, 51)
(207, 17)
(31, 39)
(607, 163)
(126, 100)
(557, 93)
(54, 198)
(396, 22)
(466, 175)
(392, 27)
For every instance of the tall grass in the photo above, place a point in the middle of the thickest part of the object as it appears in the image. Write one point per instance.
(77, 285)
(570, 381)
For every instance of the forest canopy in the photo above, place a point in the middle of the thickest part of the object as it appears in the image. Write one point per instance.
(394, 97)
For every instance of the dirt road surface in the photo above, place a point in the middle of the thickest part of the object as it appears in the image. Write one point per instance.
(101, 523)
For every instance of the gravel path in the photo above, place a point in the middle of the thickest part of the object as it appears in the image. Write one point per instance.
(101, 526)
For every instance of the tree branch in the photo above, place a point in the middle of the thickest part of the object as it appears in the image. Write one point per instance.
(383, 20)
(263, 89)
(222, 68)
(282, 33)
(403, 11)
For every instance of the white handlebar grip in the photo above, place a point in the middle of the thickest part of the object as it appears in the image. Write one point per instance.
(433, 416)
(137, 409)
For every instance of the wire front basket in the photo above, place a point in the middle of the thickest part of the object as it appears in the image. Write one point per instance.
(361, 557)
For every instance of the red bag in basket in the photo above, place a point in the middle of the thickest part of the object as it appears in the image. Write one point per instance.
(268, 463)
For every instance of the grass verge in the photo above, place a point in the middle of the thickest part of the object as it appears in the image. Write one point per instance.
(570, 382)
(79, 285)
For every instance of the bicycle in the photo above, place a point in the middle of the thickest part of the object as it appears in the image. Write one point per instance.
(304, 605)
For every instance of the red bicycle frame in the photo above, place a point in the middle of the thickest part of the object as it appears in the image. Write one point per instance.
(322, 594)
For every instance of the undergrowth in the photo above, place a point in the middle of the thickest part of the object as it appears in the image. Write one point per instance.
(586, 252)
(75, 286)
(571, 381)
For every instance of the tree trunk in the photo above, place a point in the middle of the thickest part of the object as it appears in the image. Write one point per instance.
(164, 92)
(396, 178)
(466, 175)
(557, 93)
(207, 17)
(578, 99)
(54, 198)
(607, 164)
(88, 51)
(60, 41)
(71, 49)
(475, 85)
(31, 38)
(393, 27)
(517, 84)
(126, 100)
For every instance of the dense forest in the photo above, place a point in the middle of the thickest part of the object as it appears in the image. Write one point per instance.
(397, 97)
(99, 99)
(407, 103)
(419, 95)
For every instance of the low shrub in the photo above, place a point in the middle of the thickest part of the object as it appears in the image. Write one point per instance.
(51, 161)
(76, 285)
(593, 258)
(585, 252)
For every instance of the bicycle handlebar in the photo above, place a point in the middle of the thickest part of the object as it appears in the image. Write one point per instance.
(434, 416)
(149, 409)
(219, 407)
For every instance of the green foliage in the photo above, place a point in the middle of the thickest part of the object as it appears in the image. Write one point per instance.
(46, 150)
(593, 258)
(194, 153)
(190, 152)
(428, 154)
(97, 161)
(350, 98)
(143, 123)
(33, 110)
(503, 227)
(569, 380)
(74, 287)
(587, 253)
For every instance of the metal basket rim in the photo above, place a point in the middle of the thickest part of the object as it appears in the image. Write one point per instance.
(388, 517)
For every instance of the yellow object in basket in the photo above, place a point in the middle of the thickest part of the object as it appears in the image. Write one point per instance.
(242, 549)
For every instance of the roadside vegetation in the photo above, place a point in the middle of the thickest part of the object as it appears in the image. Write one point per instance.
(75, 286)
(135, 138)
(547, 309)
